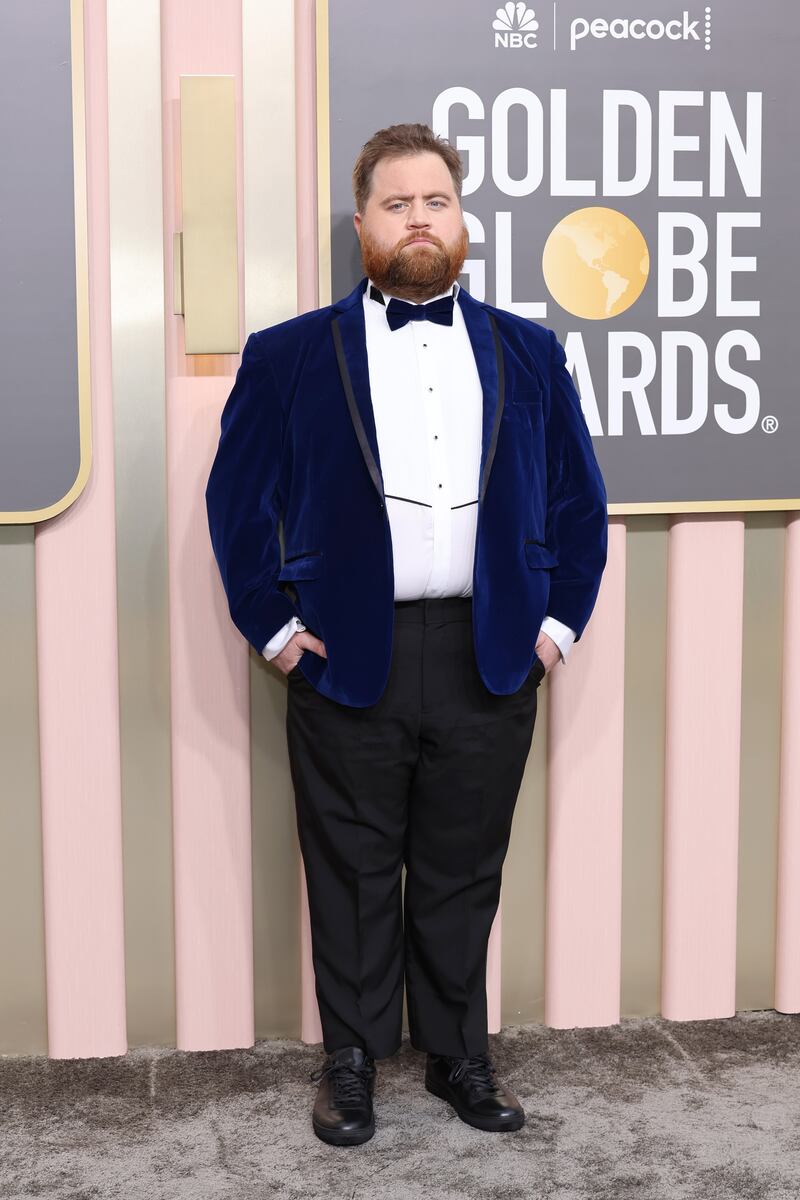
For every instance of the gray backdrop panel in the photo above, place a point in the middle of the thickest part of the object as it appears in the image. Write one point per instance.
(388, 66)
(39, 419)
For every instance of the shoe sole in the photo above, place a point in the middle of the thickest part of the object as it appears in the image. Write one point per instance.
(484, 1123)
(352, 1137)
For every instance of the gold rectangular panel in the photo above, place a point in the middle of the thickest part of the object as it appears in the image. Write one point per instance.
(209, 237)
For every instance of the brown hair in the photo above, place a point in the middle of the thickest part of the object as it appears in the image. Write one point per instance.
(396, 141)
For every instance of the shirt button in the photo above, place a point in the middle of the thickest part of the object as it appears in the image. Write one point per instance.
(430, 389)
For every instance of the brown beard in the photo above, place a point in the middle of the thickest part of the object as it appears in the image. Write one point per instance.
(416, 274)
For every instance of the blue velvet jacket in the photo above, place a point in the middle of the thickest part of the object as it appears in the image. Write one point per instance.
(298, 443)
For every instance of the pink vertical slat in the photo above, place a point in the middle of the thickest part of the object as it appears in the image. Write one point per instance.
(584, 795)
(787, 965)
(76, 606)
(210, 747)
(703, 715)
(208, 659)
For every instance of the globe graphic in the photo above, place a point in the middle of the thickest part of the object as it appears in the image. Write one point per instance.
(595, 263)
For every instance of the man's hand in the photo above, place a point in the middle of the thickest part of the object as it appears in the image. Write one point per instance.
(292, 652)
(548, 651)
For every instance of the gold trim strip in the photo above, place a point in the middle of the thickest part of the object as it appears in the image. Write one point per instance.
(30, 516)
(703, 506)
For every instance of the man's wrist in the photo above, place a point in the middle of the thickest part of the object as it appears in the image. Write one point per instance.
(280, 639)
(561, 634)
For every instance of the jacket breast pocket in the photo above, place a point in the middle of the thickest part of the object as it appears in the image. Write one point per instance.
(525, 392)
(302, 566)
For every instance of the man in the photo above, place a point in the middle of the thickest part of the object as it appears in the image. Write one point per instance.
(445, 528)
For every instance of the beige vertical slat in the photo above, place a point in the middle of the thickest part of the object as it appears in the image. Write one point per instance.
(524, 885)
(137, 332)
(643, 803)
(23, 1001)
(787, 939)
(270, 278)
(760, 766)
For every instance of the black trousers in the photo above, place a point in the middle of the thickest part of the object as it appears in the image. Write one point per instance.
(427, 777)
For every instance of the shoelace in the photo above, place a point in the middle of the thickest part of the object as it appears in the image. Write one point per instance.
(478, 1071)
(350, 1083)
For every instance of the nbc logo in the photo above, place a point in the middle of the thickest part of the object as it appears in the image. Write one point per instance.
(515, 25)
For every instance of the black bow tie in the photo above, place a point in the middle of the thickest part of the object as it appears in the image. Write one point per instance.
(399, 312)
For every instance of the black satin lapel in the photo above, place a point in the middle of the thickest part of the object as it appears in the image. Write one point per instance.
(488, 352)
(350, 341)
(499, 402)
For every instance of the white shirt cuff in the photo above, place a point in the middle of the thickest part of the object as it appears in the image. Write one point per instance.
(276, 643)
(561, 634)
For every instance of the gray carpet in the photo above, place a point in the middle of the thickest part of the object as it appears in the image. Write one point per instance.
(650, 1109)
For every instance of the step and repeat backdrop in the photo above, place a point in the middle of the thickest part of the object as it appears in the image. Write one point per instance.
(631, 181)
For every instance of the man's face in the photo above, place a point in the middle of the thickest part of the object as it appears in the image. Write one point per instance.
(412, 232)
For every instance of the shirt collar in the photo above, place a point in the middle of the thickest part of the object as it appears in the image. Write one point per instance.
(454, 290)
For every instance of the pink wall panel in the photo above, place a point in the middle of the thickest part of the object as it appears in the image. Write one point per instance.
(703, 706)
(76, 607)
(210, 747)
(208, 659)
(584, 837)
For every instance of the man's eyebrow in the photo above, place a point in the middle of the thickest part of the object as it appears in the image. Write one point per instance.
(427, 196)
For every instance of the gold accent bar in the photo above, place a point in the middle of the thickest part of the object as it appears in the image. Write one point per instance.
(209, 260)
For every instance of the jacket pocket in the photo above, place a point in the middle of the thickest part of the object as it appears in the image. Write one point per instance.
(539, 555)
(525, 393)
(302, 566)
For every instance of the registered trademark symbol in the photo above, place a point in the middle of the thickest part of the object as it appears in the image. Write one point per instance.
(769, 424)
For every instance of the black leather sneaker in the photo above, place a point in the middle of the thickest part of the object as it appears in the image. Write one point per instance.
(470, 1085)
(343, 1113)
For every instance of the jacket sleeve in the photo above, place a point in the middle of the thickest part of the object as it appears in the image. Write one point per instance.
(242, 501)
(577, 506)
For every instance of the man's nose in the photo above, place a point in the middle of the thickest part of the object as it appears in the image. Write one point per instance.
(418, 216)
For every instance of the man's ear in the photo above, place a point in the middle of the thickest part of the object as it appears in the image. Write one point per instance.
(357, 222)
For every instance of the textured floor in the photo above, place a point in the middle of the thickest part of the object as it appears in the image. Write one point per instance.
(651, 1109)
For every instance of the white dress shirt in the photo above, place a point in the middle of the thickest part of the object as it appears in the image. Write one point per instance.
(428, 405)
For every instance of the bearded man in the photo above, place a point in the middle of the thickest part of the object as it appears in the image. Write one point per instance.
(445, 533)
